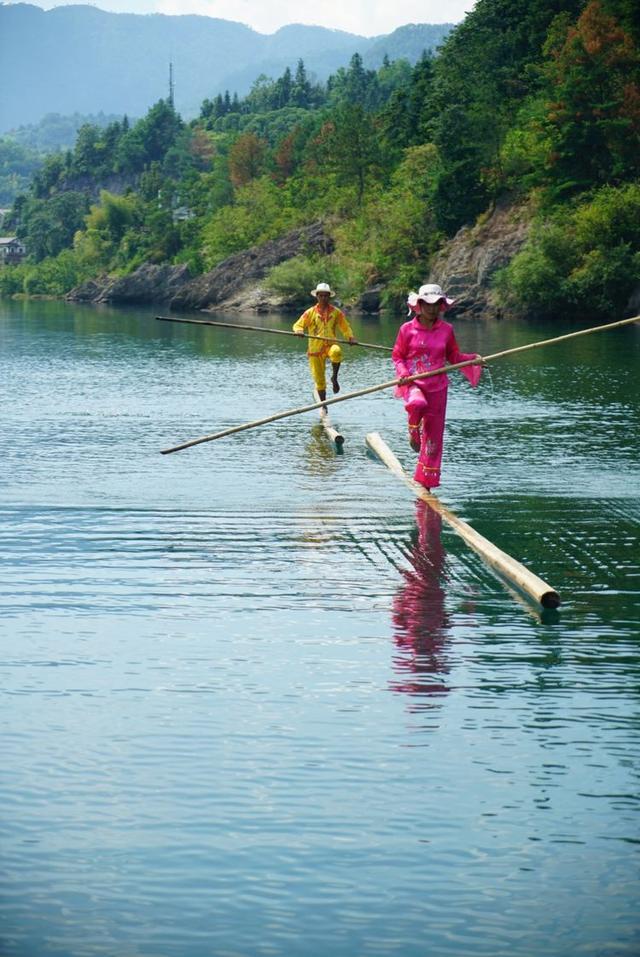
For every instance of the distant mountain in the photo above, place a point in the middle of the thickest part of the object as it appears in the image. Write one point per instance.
(406, 43)
(79, 59)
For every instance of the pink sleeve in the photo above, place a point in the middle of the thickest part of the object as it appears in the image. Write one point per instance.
(399, 353)
(472, 373)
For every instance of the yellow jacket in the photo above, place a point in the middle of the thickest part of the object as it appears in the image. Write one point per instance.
(316, 323)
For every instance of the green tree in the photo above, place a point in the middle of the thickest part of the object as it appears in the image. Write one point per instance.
(54, 276)
(159, 130)
(582, 262)
(87, 155)
(301, 90)
(354, 85)
(257, 214)
(460, 194)
(486, 69)
(47, 226)
(405, 118)
(283, 90)
(394, 235)
(105, 227)
(593, 76)
(261, 97)
(48, 178)
(347, 147)
(149, 139)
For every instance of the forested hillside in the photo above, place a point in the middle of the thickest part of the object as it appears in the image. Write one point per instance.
(531, 102)
(24, 150)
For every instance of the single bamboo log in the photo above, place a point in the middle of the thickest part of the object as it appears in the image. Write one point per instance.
(507, 566)
(276, 332)
(333, 434)
(394, 382)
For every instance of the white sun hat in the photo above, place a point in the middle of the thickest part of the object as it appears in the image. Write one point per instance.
(322, 287)
(431, 293)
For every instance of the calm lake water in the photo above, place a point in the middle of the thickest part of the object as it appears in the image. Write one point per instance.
(256, 702)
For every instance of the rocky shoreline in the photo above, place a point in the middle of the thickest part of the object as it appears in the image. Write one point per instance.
(464, 267)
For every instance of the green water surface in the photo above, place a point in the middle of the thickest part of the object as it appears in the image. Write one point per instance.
(258, 702)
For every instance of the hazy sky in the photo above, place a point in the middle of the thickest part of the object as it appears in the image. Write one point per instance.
(365, 17)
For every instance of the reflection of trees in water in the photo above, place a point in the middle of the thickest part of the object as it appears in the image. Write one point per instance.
(419, 614)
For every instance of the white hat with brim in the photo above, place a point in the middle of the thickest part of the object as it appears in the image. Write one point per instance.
(430, 293)
(322, 287)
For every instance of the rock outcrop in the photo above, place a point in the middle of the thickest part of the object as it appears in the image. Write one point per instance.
(464, 267)
(236, 282)
(149, 283)
(371, 299)
(466, 264)
(89, 291)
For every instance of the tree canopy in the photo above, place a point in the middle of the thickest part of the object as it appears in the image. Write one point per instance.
(537, 100)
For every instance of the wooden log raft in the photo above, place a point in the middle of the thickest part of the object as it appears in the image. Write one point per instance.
(336, 437)
(508, 567)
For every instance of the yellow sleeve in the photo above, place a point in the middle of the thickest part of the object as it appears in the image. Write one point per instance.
(343, 325)
(301, 324)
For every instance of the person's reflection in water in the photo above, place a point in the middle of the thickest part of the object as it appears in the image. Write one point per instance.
(420, 616)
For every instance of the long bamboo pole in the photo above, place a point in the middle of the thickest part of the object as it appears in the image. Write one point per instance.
(393, 382)
(507, 566)
(276, 332)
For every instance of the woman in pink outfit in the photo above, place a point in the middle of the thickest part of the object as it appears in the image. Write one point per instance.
(424, 343)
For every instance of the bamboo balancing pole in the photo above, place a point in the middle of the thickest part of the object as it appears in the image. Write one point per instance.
(309, 408)
(507, 566)
(393, 382)
(276, 332)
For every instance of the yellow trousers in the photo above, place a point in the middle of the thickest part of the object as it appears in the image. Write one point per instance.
(318, 363)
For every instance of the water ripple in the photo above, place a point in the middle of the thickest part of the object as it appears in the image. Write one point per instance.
(259, 703)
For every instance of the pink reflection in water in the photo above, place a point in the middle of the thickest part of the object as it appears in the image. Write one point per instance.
(420, 617)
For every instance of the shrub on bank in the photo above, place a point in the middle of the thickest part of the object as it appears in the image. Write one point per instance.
(582, 263)
(54, 276)
(295, 278)
(12, 279)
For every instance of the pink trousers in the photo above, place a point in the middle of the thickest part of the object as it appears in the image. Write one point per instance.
(426, 412)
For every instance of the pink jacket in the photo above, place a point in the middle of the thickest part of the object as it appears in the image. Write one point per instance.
(420, 350)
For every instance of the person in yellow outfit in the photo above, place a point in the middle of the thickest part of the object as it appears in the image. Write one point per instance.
(323, 319)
